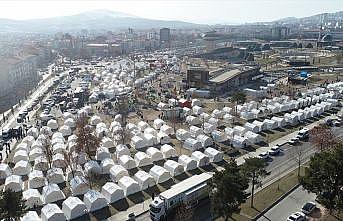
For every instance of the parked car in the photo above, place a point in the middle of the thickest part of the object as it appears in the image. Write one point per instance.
(131, 217)
(303, 134)
(264, 155)
(298, 216)
(293, 141)
(275, 150)
(308, 208)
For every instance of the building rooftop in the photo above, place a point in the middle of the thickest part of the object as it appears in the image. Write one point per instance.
(225, 76)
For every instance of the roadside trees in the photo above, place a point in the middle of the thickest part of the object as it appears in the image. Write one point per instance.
(325, 178)
(322, 137)
(254, 170)
(239, 98)
(228, 190)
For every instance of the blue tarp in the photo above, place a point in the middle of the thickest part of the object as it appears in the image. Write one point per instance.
(303, 74)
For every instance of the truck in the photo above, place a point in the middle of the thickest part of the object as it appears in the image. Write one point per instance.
(189, 191)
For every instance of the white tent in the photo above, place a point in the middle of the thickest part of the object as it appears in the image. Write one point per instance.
(33, 132)
(106, 165)
(138, 142)
(92, 166)
(252, 137)
(127, 162)
(31, 216)
(129, 185)
(168, 151)
(102, 153)
(291, 119)
(160, 174)
(46, 131)
(95, 120)
(142, 159)
(121, 150)
(217, 113)
(261, 125)
(239, 130)
(20, 155)
(280, 121)
(228, 118)
(270, 124)
(35, 153)
(167, 129)
(112, 192)
(229, 132)
(187, 162)
(70, 174)
(150, 139)
(65, 130)
(28, 140)
(67, 115)
(58, 161)
(70, 122)
(142, 125)
(214, 155)
(144, 179)
(14, 183)
(117, 172)
(73, 208)
(192, 144)
(208, 128)
(37, 179)
(78, 185)
(55, 175)
(219, 136)
(158, 123)
(94, 200)
(163, 138)
(150, 130)
(196, 102)
(213, 121)
(59, 148)
(239, 141)
(173, 167)
(51, 212)
(195, 131)
(52, 193)
(202, 159)
(182, 134)
(24, 145)
(107, 142)
(252, 127)
(205, 141)
(197, 110)
(193, 120)
(154, 154)
(204, 116)
(5, 171)
(39, 142)
(22, 168)
(32, 198)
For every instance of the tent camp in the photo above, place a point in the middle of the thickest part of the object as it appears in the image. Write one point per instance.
(95, 120)
(191, 120)
(121, 150)
(14, 183)
(239, 141)
(129, 185)
(150, 130)
(51, 212)
(102, 153)
(150, 139)
(117, 172)
(144, 179)
(205, 140)
(195, 131)
(106, 165)
(92, 167)
(65, 130)
(261, 125)
(112, 192)
(182, 134)
(166, 129)
(239, 130)
(192, 144)
(197, 110)
(94, 200)
(158, 123)
(168, 151)
(187, 162)
(37, 179)
(31, 216)
(173, 167)
(32, 198)
(107, 142)
(202, 159)
(5, 171)
(22, 168)
(127, 162)
(70, 122)
(252, 127)
(79, 185)
(280, 121)
(208, 128)
(163, 138)
(33, 132)
(55, 175)
(142, 159)
(214, 155)
(52, 193)
(138, 142)
(58, 161)
(20, 155)
(219, 136)
(73, 208)
(253, 138)
(154, 154)
(160, 174)
(142, 125)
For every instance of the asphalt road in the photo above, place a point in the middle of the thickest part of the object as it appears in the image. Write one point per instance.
(292, 203)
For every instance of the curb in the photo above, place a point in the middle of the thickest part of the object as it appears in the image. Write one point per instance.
(276, 202)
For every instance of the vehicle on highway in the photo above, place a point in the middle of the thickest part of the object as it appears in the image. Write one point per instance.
(275, 150)
(264, 155)
(293, 140)
(308, 208)
(298, 216)
(189, 191)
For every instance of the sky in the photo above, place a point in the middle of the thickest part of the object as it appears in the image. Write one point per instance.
(200, 11)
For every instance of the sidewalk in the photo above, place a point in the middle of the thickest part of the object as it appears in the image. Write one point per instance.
(281, 141)
(137, 209)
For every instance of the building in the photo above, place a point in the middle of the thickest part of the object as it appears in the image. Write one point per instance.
(18, 75)
(197, 77)
(279, 32)
(165, 36)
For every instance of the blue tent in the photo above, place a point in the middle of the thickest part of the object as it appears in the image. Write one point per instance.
(303, 74)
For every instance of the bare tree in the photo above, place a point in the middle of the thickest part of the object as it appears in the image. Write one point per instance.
(298, 155)
(70, 162)
(322, 137)
(184, 212)
(87, 141)
(47, 151)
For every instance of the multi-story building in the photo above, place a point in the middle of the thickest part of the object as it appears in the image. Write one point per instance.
(165, 36)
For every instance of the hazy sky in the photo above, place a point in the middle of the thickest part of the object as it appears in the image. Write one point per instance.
(201, 11)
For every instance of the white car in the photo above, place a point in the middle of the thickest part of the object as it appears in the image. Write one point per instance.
(275, 150)
(293, 140)
(298, 216)
(264, 155)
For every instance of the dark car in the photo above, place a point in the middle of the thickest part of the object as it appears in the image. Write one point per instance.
(308, 208)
